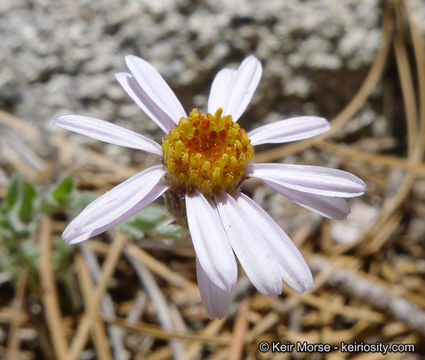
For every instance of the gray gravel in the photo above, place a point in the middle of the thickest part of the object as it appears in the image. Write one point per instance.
(60, 56)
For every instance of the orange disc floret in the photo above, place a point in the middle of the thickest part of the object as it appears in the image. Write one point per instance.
(206, 152)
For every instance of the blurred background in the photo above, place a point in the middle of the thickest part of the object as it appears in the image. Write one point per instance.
(132, 293)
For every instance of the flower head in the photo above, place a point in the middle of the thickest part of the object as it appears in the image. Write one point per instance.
(205, 157)
(206, 152)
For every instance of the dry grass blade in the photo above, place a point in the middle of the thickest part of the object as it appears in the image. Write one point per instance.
(419, 50)
(416, 145)
(163, 353)
(27, 130)
(23, 150)
(403, 67)
(89, 317)
(68, 150)
(240, 328)
(373, 293)
(159, 333)
(212, 329)
(380, 238)
(264, 324)
(13, 343)
(19, 165)
(50, 295)
(384, 160)
(343, 310)
(160, 269)
(161, 307)
(107, 304)
(100, 338)
(23, 157)
(138, 307)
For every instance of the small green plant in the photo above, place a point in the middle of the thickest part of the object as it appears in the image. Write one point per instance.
(154, 221)
(21, 211)
(17, 226)
(63, 196)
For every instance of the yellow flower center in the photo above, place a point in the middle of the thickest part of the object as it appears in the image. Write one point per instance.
(206, 152)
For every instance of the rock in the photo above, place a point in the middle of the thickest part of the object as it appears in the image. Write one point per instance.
(69, 53)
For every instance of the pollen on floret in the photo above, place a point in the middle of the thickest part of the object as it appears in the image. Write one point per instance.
(206, 152)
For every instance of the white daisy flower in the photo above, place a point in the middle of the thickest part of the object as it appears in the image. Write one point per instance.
(205, 157)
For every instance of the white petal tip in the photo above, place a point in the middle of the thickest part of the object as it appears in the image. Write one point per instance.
(215, 315)
(132, 59)
(71, 236)
(308, 285)
(59, 120)
(301, 287)
(64, 121)
(326, 124)
(305, 283)
(274, 293)
(251, 58)
(121, 75)
(341, 216)
(359, 184)
(271, 291)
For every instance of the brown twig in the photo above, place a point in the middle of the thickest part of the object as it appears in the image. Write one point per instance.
(159, 333)
(373, 293)
(88, 319)
(383, 160)
(68, 149)
(160, 269)
(49, 294)
(240, 328)
(100, 338)
(13, 342)
(211, 329)
(155, 294)
(107, 305)
(419, 50)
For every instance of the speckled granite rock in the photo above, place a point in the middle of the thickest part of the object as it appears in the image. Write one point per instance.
(68, 52)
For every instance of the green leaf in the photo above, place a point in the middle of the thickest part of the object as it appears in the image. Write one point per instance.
(46, 204)
(61, 256)
(80, 199)
(57, 197)
(5, 233)
(7, 263)
(11, 196)
(146, 218)
(62, 191)
(170, 230)
(130, 230)
(29, 193)
(17, 208)
(30, 253)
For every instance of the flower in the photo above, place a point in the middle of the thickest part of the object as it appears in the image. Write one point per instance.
(205, 157)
